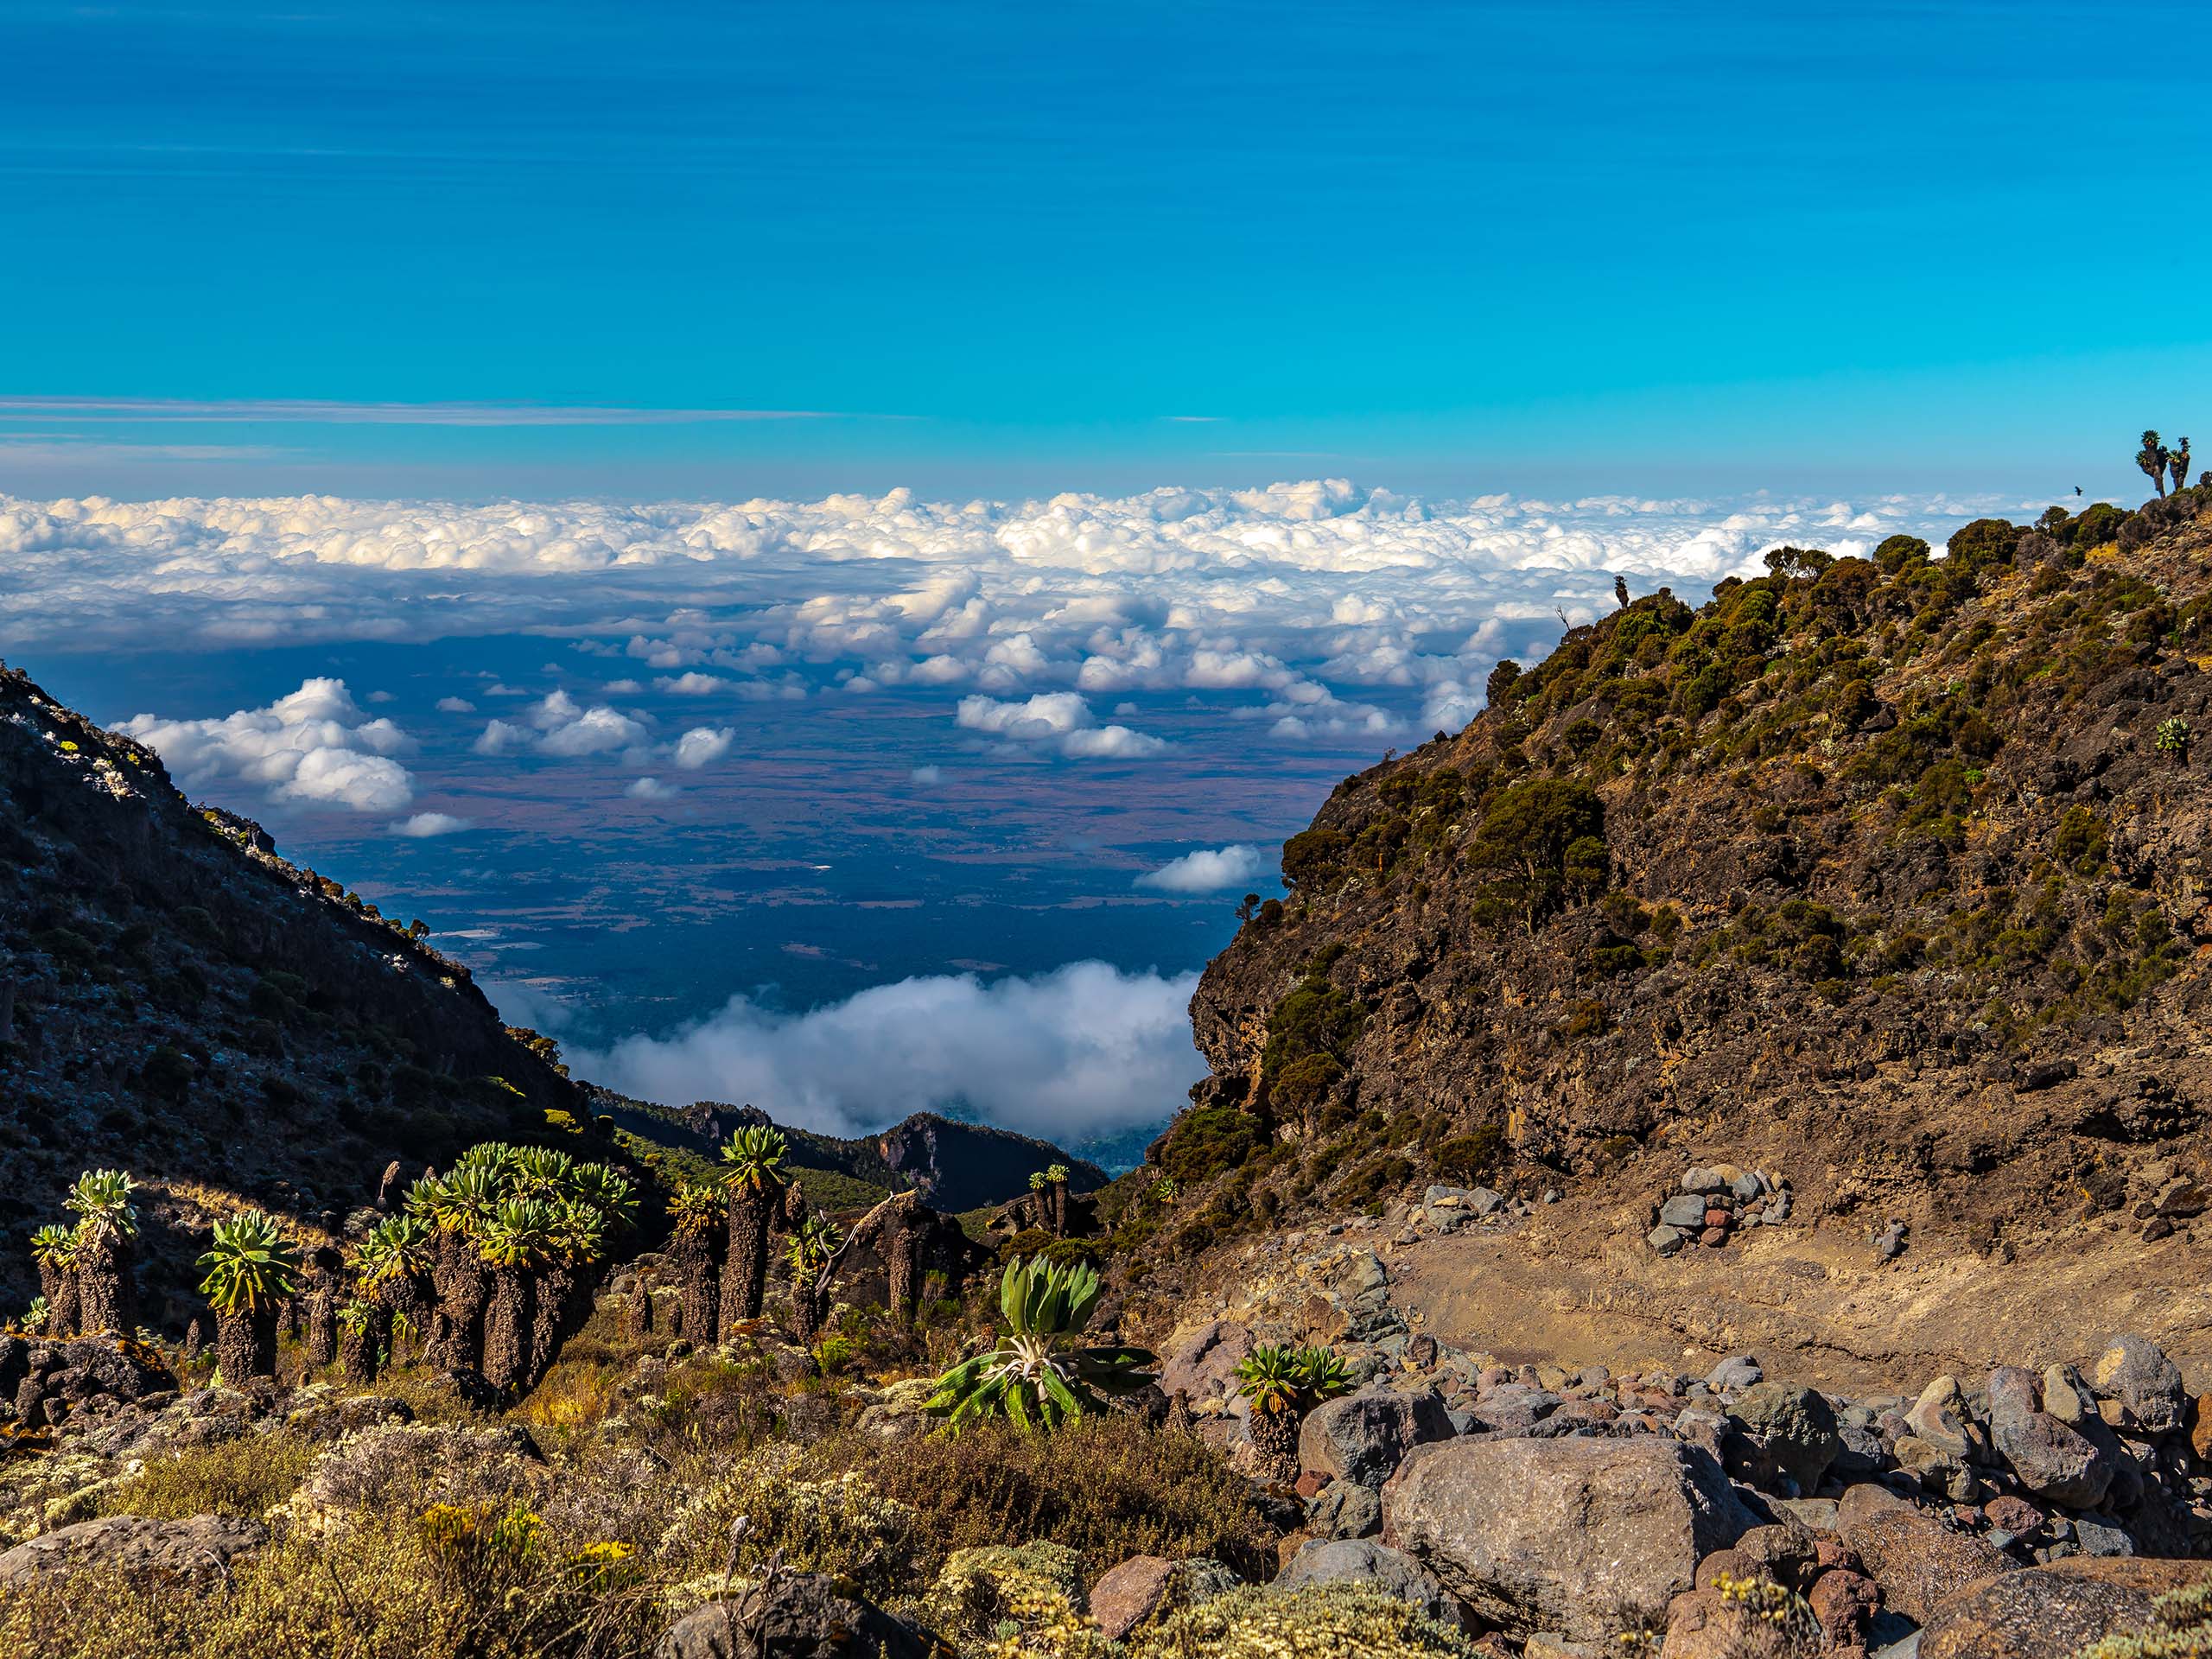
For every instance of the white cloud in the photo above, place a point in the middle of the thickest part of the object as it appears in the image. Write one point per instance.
(1084, 1050)
(558, 725)
(693, 685)
(425, 824)
(1057, 719)
(702, 746)
(314, 745)
(1208, 870)
(651, 789)
(1329, 610)
(501, 737)
(456, 706)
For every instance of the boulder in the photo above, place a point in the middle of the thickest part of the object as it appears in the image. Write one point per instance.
(2135, 1371)
(1736, 1372)
(1563, 1534)
(1939, 1417)
(1364, 1436)
(1685, 1212)
(1843, 1602)
(1791, 1433)
(1205, 1367)
(1919, 1562)
(795, 1616)
(2053, 1461)
(2034, 1614)
(1130, 1593)
(196, 1551)
(1364, 1563)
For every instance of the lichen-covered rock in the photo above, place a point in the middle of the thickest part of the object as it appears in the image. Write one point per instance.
(1787, 1432)
(1205, 1367)
(1562, 1534)
(1919, 1562)
(1364, 1563)
(197, 1550)
(2033, 1614)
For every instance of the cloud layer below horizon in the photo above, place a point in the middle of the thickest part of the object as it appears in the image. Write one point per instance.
(1082, 1051)
(1321, 609)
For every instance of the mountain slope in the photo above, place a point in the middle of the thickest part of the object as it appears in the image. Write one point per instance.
(177, 1000)
(1889, 871)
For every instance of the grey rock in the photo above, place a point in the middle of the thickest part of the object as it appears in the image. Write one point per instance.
(197, 1550)
(1939, 1417)
(1668, 1241)
(1746, 1186)
(1703, 1180)
(1375, 1567)
(2052, 1460)
(1790, 1432)
(1345, 1509)
(2135, 1371)
(1364, 1436)
(1736, 1371)
(1685, 1212)
(2098, 1538)
(1566, 1534)
(1205, 1367)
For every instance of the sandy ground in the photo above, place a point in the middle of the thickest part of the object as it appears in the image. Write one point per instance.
(1812, 1303)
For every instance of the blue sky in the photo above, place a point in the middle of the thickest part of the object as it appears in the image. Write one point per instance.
(1003, 248)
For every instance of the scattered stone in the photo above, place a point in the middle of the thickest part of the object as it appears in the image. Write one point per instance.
(1939, 1417)
(1130, 1593)
(1345, 1509)
(1364, 1436)
(1665, 1240)
(1563, 1534)
(1889, 1243)
(1736, 1371)
(1684, 1212)
(1844, 1602)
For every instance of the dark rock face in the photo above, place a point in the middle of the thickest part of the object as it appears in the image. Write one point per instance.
(1564, 1535)
(196, 927)
(1441, 951)
(960, 1166)
(799, 1616)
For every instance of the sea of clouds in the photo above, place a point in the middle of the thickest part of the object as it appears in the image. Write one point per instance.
(1313, 611)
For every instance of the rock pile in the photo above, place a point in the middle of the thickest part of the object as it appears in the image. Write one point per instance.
(1713, 1202)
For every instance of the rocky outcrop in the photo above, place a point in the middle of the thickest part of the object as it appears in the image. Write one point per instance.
(197, 1551)
(167, 971)
(1566, 1534)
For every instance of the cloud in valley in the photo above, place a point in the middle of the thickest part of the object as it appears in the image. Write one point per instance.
(1209, 870)
(315, 746)
(1084, 1050)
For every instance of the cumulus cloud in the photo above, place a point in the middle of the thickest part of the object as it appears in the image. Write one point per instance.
(1057, 720)
(456, 706)
(423, 825)
(702, 746)
(689, 684)
(1208, 870)
(558, 725)
(315, 745)
(1084, 1050)
(651, 789)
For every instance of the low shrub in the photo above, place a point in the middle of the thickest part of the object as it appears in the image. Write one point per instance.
(1107, 1487)
(237, 1478)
